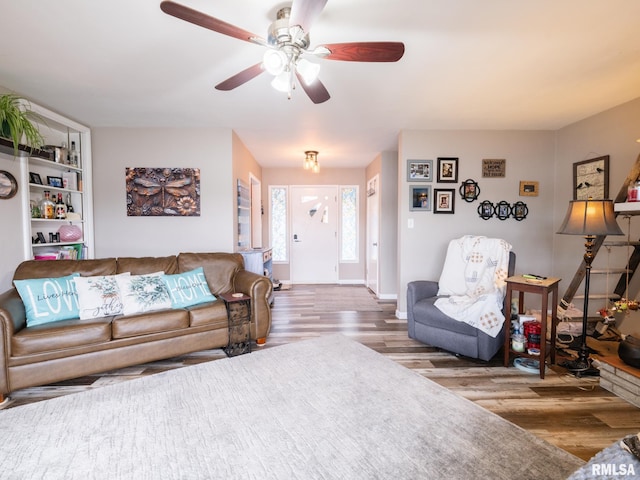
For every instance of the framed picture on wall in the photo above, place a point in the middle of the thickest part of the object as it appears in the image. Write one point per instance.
(591, 179)
(444, 199)
(447, 170)
(419, 170)
(528, 188)
(420, 198)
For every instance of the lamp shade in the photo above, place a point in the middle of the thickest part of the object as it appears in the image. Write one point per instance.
(590, 217)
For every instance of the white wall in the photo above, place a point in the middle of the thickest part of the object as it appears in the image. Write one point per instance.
(210, 150)
(529, 156)
(12, 229)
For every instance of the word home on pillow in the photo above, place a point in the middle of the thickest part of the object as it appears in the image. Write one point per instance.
(189, 288)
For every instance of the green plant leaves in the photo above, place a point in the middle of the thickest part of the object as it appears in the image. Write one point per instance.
(16, 122)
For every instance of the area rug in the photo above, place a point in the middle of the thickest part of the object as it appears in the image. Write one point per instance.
(326, 408)
(344, 299)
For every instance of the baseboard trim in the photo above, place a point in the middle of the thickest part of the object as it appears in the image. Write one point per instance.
(388, 296)
(351, 282)
(401, 315)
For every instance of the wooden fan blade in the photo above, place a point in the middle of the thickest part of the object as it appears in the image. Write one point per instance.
(206, 21)
(305, 12)
(362, 51)
(316, 91)
(241, 78)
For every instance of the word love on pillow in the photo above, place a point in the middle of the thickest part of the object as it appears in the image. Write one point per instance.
(48, 299)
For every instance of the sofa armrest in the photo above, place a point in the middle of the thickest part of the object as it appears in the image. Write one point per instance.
(12, 319)
(420, 289)
(13, 316)
(259, 288)
(416, 291)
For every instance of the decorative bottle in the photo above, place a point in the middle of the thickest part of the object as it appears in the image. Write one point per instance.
(69, 204)
(61, 208)
(47, 207)
(74, 156)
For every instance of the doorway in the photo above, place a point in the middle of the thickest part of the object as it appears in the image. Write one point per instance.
(314, 234)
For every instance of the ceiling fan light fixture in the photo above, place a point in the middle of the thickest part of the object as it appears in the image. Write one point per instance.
(274, 61)
(308, 71)
(282, 82)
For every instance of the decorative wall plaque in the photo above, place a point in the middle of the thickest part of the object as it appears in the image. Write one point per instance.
(494, 167)
(154, 192)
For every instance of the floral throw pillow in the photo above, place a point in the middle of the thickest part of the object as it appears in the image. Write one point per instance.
(143, 293)
(99, 296)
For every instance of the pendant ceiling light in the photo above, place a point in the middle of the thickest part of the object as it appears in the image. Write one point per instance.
(311, 161)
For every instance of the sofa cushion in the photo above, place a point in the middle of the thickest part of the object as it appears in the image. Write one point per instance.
(143, 293)
(48, 300)
(99, 296)
(219, 268)
(147, 323)
(60, 335)
(61, 268)
(147, 265)
(208, 313)
(188, 288)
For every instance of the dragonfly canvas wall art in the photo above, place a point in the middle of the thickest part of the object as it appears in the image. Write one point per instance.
(171, 192)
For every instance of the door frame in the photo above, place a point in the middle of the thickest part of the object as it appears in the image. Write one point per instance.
(255, 192)
(373, 185)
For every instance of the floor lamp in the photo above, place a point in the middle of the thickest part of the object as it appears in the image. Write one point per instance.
(590, 219)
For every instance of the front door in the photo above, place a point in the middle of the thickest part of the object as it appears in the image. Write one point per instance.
(314, 234)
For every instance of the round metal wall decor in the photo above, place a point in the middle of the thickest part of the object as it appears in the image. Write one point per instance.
(486, 210)
(469, 190)
(8, 185)
(503, 210)
(519, 211)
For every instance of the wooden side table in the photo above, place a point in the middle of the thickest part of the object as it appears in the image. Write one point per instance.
(543, 288)
(239, 316)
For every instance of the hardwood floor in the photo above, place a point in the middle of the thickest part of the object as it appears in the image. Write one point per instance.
(574, 414)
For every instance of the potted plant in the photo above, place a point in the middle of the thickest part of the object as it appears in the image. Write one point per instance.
(16, 122)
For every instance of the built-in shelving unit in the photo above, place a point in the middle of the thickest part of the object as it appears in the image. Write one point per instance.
(39, 170)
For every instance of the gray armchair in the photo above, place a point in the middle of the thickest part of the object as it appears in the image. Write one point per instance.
(428, 324)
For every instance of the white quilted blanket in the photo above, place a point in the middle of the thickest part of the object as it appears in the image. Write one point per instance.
(485, 263)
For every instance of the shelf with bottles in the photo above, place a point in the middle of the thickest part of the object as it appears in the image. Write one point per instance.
(48, 162)
(54, 206)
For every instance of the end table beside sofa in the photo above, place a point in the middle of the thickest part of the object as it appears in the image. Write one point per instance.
(61, 350)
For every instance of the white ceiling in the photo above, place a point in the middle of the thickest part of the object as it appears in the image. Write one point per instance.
(469, 64)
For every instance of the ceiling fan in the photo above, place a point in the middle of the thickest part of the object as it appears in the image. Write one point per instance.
(287, 46)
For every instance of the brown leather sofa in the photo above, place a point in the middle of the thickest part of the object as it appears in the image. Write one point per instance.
(66, 349)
